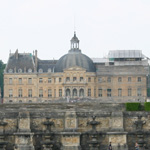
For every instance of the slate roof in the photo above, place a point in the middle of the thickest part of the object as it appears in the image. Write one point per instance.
(46, 64)
(23, 61)
(72, 59)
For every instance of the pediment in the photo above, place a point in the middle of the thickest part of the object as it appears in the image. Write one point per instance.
(75, 68)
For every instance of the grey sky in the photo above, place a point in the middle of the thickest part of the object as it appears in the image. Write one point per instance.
(48, 26)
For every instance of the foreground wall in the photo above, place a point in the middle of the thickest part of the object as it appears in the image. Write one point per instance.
(67, 126)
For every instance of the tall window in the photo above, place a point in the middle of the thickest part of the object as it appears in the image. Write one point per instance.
(74, 78)
(49, 80)
(60, 92)
(29, 92)
(10, 93)
(81, 79)
(119, 92)
(29, 80)
(20, 93)
(100, 79)
(139, 92)
(40, 80)
(20, 80)
(109, 79)
(119, 79)
(129, 92)
(89, 79)
(100, 92)
(108, 92)
(89, 92)
(10, 80)
(129, 79)
(59, 79)
(67, 79)
(49, 93)
(139, 79)
(40, 92)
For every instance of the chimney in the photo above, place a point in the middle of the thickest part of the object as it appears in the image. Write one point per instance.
(36, 60)
(16, 54)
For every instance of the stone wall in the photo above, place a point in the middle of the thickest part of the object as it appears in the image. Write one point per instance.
(66, 126)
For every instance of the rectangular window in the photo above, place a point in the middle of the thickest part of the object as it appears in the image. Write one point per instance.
(129, 92)
(89, 92)
(100, 93)
(74, 79)
(40, 80)
(20, 93)
(109, 79)
(67, 79)
(10, 80)
(139, 92)
(29, 92)
(119, 92)
(139, 79)
(119, 79)
(129, 79)
(49, 93)
(20, 80)
(29, 80)
(49, 80)
(100, 79)
(40, 92)
(59, 79)
(108, 92)
(81, 79)
(89, 79)
(60, 92)
(10, 93)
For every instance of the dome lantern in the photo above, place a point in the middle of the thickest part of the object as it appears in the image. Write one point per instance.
(74, 42)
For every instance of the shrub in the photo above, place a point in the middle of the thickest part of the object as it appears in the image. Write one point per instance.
(147, 106)
(133, 107)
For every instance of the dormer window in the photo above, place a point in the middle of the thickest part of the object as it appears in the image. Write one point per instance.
(49, 70)
(10, 71)
(40, 70)
(29, 70)
(20, 70)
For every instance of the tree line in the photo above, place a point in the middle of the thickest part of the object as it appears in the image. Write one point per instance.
(2, 67)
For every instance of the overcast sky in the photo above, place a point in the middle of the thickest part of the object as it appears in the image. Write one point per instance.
(48, 26)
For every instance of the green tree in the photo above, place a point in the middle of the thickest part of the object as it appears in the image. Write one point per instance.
(2, 67)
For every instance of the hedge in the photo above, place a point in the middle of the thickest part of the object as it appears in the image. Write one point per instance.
(147, 106)
(133, 107)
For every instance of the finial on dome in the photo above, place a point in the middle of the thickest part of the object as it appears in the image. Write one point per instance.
(74, 33)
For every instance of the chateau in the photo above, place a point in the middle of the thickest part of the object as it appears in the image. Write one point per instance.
(122, 76)
(76, 102)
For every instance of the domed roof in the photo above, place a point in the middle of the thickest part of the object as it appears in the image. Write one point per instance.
(74, 58)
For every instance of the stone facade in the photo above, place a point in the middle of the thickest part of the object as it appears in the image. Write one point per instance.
(65, 126)
(75, 76)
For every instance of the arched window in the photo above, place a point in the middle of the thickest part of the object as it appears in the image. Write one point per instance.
(20, 70)
(74, 92)
(10, 71)
(81, 93)
(67, 92)
(49, 70)
(40, 70)
(29, 70)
